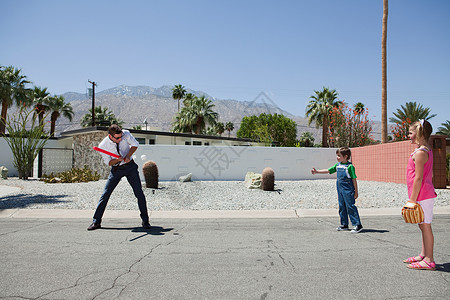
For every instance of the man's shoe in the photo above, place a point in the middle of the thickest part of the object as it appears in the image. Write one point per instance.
(342, 227)
(146, 225)
(94, 226)
(357, 229)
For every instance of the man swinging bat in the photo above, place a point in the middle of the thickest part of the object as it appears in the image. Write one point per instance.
(117, 150)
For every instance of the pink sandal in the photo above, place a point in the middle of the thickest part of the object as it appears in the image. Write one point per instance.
(413, 259)
(430, 266)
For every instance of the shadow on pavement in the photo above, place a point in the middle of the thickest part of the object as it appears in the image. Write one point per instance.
(443, 267)
(154, 230)
(374, 230)
(24, 200)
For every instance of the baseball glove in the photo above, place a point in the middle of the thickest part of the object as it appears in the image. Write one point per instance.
(412, 213)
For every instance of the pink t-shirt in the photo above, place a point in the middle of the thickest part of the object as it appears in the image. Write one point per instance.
(427, 188)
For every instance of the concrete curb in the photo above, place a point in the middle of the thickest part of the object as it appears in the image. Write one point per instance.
(197, 214)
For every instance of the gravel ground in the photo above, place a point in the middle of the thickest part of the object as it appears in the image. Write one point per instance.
(206, 195)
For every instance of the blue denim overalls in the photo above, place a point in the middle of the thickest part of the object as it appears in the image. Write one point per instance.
(346, 196)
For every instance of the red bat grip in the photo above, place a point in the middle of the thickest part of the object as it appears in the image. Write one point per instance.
(106, 152)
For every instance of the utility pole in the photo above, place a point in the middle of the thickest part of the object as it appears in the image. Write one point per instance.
(93, 101)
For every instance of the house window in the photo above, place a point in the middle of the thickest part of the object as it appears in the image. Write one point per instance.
(196, 143)
(141, 141)
(187, 143)
(151, 142)
(206, 144)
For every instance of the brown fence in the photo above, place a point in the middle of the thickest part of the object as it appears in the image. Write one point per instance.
(387, 162)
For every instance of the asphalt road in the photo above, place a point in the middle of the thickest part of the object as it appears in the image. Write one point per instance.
(292, 258)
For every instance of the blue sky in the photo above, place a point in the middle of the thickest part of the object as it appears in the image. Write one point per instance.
(236, 49)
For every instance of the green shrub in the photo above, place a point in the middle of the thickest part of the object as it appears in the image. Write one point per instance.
(74, 175)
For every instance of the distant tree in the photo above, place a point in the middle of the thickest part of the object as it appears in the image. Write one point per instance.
(306, 140)
(40, 102)
(229, 127)
(349, 127)
(407, 115)
(12, 91)
(196, 116)
(103, 117)
(359, 108)
(412, 111)
(137, 127)
(178, 93)
(319, 108)
(269, 128)
(58, 106)
(211, 131)
(219, 128)
(445, 129)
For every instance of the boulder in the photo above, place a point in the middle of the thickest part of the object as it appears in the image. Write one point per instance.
(252, 180)
(4, 172)
(186, 178)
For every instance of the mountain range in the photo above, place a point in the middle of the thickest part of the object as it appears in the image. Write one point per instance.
(154, 108)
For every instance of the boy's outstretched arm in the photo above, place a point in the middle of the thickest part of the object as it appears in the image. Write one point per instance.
(322, 171)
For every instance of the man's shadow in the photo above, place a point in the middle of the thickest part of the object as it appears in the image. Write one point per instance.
(154, 230)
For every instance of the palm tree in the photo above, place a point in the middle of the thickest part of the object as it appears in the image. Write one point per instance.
(103, 117)
(219, 128)
(202, 113)
(412, 112)
(12, 91)
(178, 93)
(359, 108)
(445, 129)
(384, 125)
(195, 116)
(319, 108)
(229, 127)
(58, 106)
(41, 102)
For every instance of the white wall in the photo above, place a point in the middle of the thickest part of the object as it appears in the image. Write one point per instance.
(6, 156)
(232, 163)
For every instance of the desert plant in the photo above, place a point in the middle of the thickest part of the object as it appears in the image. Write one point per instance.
(74, 175)
(268, 179)
(25, 138)
(150, 170)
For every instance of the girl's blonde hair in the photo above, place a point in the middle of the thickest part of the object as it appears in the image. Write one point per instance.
(423, 129)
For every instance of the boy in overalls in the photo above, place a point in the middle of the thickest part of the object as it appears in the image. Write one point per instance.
(347, 189)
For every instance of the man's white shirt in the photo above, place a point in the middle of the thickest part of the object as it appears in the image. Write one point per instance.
(125, 144)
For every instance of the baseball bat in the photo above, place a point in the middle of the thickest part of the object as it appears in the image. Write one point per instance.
(106, 152)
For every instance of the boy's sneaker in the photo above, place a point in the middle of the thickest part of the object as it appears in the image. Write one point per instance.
(357, 229)
(342, 227)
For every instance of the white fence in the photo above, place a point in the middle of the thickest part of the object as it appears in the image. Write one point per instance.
(232, 163)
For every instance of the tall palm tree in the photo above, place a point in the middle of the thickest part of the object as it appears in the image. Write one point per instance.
(12, 91)
(412, 112)
(41, 102)
(58, 106)
(178, 93)
(229, 127)
(384, 125)
(319, 108)
(445, 129)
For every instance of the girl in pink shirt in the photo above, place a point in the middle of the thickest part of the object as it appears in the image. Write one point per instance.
(419, 176)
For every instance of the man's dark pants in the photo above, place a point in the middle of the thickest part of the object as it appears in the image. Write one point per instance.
(130, 171)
